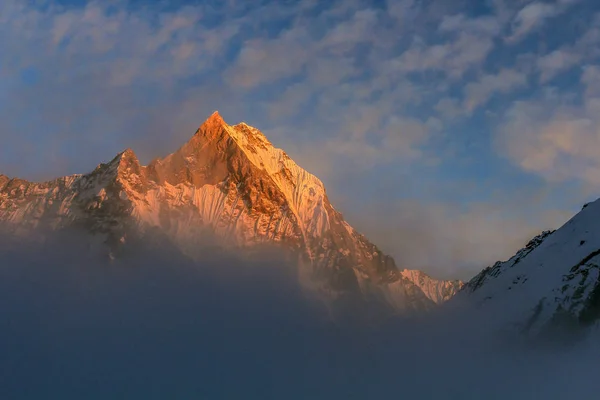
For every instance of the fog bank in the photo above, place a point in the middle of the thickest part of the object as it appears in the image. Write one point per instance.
(155, 325)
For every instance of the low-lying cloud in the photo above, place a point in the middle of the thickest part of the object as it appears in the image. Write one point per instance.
(154, 325)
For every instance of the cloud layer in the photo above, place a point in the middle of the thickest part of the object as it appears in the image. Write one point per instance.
(154, 325)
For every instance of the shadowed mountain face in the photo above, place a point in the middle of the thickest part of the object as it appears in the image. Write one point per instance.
(552, 285)
(226, 187)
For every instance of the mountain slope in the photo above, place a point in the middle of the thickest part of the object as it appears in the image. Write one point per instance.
(553, 281)
(436, 290)
(227, 186)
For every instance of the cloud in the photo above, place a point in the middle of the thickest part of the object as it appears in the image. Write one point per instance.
(590, 78)
(152, 323)
(487, 25)
(330, 71)
(468, 42)
(505, 81)
(530, 17)
(355, 30)
(264, 61)
(555, 134)
(402, 10)
(368, 138)
(449, 108)
(452, 58)
(556, 62)
(556, 142)
(404, 135)
(290, 101)
(564, 58)
(398, 138)
(261, 61)
(129, 69)
(534, 15)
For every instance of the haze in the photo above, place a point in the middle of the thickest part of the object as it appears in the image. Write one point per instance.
(155, 325)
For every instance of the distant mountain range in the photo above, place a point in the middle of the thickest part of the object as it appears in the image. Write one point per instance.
(226, 187)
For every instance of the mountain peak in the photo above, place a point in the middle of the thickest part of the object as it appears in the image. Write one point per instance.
(230, 183)
(122, 166)
(127, 154)
(125, 157)
(213, 127)
(215, 119)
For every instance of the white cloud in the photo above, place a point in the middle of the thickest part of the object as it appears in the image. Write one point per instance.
(266, 61)
(449, 108)
(584, 49)
(402, 10)
(364, 137)
(530, 17)
(534, 15)
(290, 101)
(405, 135)
(478, 93)
(359, 28)
(324, 72)
(556, 137)
(590, 78)
(122, 46)
(487, 25)
(557, 142)
(454, 58)
(556, 62)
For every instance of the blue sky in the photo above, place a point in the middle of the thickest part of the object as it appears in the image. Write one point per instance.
(449, 132)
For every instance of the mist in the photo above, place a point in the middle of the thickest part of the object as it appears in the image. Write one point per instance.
(153, 324)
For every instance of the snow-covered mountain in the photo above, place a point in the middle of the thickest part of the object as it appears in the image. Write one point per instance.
(437, 290)
(554, 281)
(228, 186)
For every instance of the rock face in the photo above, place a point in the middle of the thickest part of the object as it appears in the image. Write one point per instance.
(553, 282)
(436, 290)
(226, 184)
